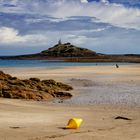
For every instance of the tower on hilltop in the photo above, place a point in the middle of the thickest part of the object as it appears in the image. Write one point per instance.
(59, 42)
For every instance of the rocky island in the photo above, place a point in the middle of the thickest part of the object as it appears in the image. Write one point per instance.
(70, 53)
(33, 88)
(68, 50)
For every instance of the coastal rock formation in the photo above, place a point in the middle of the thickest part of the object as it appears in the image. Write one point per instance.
(33, 88)
(68, 50)
(70, 53)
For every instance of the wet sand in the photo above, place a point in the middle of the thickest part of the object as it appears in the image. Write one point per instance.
(101, 93)
(92, 84)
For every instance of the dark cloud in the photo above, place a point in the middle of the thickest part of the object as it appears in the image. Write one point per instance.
(127, 3)
(95, 26)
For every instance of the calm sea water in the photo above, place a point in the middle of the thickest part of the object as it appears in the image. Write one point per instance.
(48, 64)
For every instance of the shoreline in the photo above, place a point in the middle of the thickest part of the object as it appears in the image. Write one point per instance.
(55, 64)
(102, 84)
(33, 120)
(96, 57)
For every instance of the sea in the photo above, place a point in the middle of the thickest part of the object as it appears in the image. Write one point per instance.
(51, 63)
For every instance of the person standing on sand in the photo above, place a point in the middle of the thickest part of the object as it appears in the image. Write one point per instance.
(117, 66)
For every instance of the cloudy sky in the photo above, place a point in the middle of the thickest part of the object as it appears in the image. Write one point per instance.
(105, 26)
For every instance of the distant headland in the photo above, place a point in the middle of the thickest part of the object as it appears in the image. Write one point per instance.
(71, 53)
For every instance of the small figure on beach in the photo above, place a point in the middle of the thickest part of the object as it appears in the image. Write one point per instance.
(117, 66)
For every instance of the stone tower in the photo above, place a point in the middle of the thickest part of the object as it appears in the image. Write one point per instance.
(59, 42)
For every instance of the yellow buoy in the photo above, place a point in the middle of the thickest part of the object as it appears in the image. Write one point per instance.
(74, 123)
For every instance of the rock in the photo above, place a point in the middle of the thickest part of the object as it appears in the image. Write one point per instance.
(64, 86)
(68, 50)
(33, 88)
(35, 79)
(4, 76)
(62, 94)
(49, 82)
(123, 118)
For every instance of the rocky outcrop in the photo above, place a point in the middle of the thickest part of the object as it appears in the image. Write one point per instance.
(68, 50)
(71, 53)
(33, 88)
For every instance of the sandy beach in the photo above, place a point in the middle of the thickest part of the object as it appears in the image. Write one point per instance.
(100, 94)
(21, 120)
(92, 84)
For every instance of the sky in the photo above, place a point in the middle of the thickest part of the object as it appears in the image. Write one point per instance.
(105, 26)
